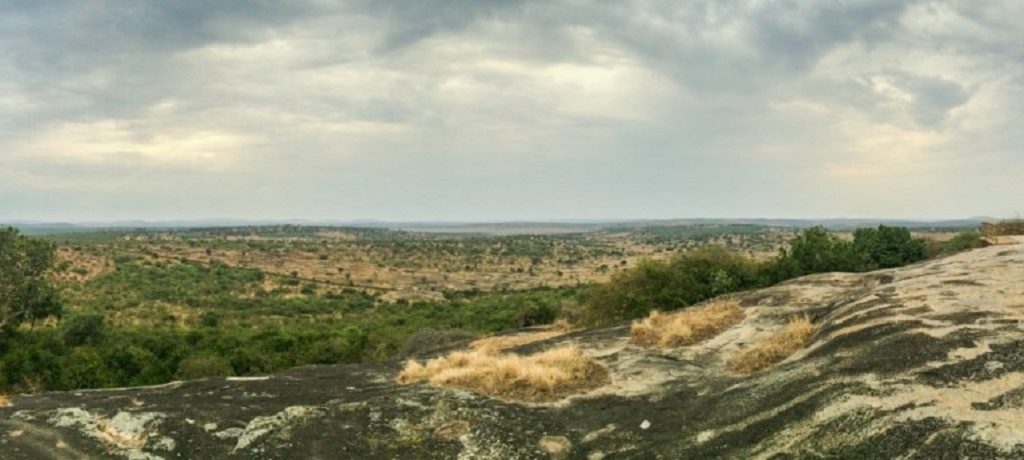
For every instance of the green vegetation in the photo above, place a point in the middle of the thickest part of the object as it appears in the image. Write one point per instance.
(818, 251)
(687, 278)
(25, 293)
(189, 320)
(694, 276)
(963, 241)
(149, 306)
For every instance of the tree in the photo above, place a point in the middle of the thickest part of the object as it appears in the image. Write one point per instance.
(886, 247)
(25, 292)
(815, 250)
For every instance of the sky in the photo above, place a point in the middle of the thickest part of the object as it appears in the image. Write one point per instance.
(510, 110)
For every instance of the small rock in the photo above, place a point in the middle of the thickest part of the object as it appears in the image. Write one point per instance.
(645, 425)
(208, 427)
(259, 378)
(556, 446)
(23, 415)
(230, 433)
(590, 437)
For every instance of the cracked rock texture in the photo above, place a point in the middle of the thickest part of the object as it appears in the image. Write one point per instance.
(925, 361)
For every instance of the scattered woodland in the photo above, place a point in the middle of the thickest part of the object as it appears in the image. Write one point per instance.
(135, 307)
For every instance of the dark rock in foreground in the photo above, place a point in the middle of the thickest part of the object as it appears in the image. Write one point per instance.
(919, 362)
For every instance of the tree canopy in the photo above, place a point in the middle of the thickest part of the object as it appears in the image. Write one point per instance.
(25, 292)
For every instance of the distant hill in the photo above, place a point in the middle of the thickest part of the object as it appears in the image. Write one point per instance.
(510, 227)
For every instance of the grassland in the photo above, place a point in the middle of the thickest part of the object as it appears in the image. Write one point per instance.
(150, 306)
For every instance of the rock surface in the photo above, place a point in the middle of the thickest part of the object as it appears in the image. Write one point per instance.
(924, 361)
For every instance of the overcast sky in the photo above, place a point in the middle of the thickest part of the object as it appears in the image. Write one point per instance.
(505, 110)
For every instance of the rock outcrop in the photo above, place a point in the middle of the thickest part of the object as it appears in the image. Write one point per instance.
(925, 361)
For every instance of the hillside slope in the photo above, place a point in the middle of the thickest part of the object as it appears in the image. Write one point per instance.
(924, 361)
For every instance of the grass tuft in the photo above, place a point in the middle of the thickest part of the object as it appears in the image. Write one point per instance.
(504, 342)
(545, 376)
(686, 327)
(796, 335)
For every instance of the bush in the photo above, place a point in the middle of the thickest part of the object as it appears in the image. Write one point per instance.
(205, 366)
(963, 241)
(345, 347)
(83, 329)
(886, 247)
(84, 368)
(816, 250)
(535, 314)
(685, 279)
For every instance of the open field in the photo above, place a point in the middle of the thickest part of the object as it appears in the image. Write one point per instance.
(398, 265)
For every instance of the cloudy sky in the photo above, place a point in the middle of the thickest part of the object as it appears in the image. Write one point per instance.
(508, 110)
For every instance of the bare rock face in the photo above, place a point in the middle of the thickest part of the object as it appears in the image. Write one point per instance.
(924, 361)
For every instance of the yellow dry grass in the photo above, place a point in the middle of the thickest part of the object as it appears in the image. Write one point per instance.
(504, 342)
(796, 335)
(4, 402)
(545, 376)
(686, 327)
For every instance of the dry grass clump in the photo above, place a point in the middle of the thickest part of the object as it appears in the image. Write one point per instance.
(4, 402)
(686, 327)
(796, 335)
(544, 376)
(504, 342)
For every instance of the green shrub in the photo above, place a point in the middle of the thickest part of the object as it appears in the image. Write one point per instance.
(816, 250)
(84, 368)
(205, 366)
(83, 329)
(344, 347)
(683, 280)
(885, 247)
(963, 241)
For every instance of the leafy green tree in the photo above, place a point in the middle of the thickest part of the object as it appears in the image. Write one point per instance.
(815, 250)
(25, 292)
(886, 247)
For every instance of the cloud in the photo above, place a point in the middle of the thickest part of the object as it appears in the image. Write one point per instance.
(509, 109)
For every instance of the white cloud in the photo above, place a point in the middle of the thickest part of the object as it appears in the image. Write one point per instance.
(434, 110)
